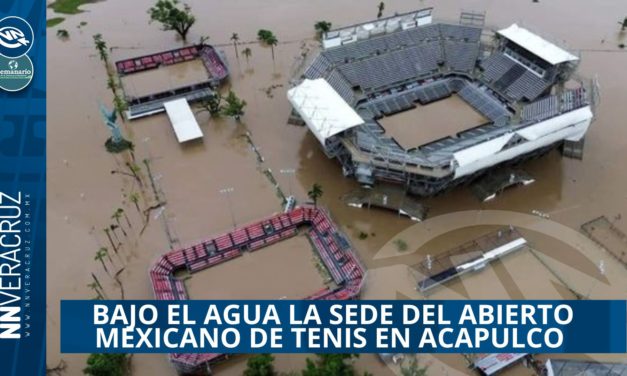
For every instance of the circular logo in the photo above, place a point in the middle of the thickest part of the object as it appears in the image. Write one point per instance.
(16, 37)
(15, 74)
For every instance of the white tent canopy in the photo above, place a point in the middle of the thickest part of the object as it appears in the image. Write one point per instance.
(538, 46)
(183, 121)
(324, 111)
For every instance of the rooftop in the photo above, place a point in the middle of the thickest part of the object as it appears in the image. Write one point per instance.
(537, 45)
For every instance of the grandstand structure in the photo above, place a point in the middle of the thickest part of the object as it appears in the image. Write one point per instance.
(514, 78)
(330, 244)
(152, 103)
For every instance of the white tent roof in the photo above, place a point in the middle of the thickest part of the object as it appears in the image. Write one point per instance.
(536, 45)
(322, 108)
(183, 121)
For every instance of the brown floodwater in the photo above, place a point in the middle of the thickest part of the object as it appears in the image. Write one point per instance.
(431, 122)
(165, 78)
(264, 274)
(83, 194)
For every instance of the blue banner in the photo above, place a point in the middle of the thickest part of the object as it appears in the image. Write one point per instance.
(22, 187)
(344, 326)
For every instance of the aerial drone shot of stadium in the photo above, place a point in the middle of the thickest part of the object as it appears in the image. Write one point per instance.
(443, 150)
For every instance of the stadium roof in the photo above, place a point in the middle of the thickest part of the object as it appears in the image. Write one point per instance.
(536, 45)
(322, 108)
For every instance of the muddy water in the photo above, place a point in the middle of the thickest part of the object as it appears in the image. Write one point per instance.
(266, 275)
(432, 122)
(83, 193)
(165, 78)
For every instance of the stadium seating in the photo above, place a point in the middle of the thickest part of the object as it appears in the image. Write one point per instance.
(332, 247)
(213, 63)
(541, 109)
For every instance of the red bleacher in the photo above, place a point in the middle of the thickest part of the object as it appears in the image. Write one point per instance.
(207, 54)
(142, 63)
(339, 259)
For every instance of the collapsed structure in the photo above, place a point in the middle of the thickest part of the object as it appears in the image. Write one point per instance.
(525, 86)
(330, 244)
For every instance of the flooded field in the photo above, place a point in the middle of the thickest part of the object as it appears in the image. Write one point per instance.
(436, 120)
(261, 274)
(84, 194)
(165, 78)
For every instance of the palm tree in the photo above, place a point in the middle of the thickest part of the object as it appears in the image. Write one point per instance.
(101, 47)
(108, 233)
(380, 8)
(272, 41)
(100, 255)
(94, 287)
(116, 217)
(247, 52)
(134, 198)
(125, 217)
(315, 193)
(114, 227)
(268, 37)
(322, 27)
(235, 39)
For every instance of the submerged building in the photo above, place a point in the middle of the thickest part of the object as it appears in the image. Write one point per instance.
(525, 88)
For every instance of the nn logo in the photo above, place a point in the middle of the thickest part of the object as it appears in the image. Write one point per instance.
(11, 37)
(10, 322)
(16, 37)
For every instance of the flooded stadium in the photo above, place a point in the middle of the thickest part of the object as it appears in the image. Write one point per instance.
(229, 178)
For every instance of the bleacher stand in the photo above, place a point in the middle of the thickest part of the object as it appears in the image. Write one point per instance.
(331, 245)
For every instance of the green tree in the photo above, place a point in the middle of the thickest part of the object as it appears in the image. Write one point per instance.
(260, 365)
(100, 256)
(315, 193)
(234, 106)
(101, 47)
(247, 52)
(330, 365)
(116, 217)
(63, 34)
(623, 25)
(380, 9)
(172, 17)
(107, 365)
(213, 105)
(235, 40)
(322, 27)
(413, 368)
(268, 38)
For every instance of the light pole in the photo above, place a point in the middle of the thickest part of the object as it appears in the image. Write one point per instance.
(290, 172)
(227, 192)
